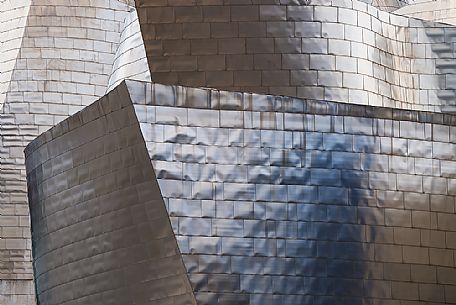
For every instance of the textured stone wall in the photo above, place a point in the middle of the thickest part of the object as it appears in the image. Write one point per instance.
(340, 51)
(284, 201)
(101, 232)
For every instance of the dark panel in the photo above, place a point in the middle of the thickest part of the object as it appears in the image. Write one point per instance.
(101, 233)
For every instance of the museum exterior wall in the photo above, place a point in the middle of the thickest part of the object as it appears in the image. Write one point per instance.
(101, 232)
(273, 200)
(56, 58)
(343, 51)
(283, 201)
(130, 61)
(13, 17)
(59, 56)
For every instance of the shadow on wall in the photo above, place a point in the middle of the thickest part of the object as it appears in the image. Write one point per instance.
(365, 237)
(344, 259)
(444, 57)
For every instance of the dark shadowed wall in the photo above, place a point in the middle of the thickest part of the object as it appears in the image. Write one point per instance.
(100, 231)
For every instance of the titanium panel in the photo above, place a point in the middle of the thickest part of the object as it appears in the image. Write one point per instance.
(13, 19)
(56, 58)
(344, 51)
(298, 201)
(324, 214)
(100, 230)
(130, 60)
(272, 200)
(440, 11)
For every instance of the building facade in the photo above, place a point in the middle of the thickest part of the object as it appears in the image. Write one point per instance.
(320, 168)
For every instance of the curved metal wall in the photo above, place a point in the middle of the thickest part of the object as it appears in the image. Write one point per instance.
(130, 61)
(100, 230)
(55, 58)
(277, 200)
(13, 19)
(272, 200)
(388, 5)
(343, 51)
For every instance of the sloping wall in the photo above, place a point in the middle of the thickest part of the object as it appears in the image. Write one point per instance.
(100, 230)
(56, 58)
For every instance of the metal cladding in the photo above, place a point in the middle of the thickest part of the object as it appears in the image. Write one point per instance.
(101, 232)
(56, 57)
(440, 10)
(273, 200)
(130, 59)
(343, 51)
(11, 33)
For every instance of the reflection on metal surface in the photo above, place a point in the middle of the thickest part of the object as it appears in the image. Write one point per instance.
(13, 20)
(56, 57)
(272, 200)
(440, 11)
(345, 51)
(130, 61)
(101, 232)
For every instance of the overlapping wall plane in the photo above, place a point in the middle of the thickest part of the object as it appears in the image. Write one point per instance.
(343, 51)
(100, 228)
(343, 192)
(273, 200)
(55, 59)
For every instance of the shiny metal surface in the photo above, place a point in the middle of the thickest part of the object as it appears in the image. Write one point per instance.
(56, 57)
(238, 170)
(130, 60)
(13, 20)
(294, 202)
(389, 5)
(100, 229)
(344, 51)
